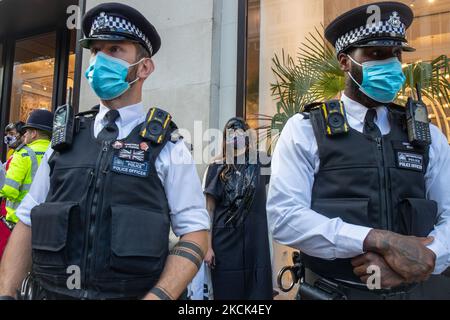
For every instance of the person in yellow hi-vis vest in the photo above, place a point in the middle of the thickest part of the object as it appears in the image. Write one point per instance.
(26, 161)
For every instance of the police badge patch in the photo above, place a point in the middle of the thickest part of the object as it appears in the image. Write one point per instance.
(130, 159)
(411, 161)
(133, 155)
(394, 20)
(131, 168)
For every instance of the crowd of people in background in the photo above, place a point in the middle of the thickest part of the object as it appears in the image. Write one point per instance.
(27, 144)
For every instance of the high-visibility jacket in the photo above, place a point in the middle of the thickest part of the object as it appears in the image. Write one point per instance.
(10, 153)
(20, 174)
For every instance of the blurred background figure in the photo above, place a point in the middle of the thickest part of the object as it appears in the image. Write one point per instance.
(13, 140)
(13, 137)
(25, 161)
(239, 254)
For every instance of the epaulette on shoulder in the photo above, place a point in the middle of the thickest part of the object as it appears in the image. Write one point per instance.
(175, 135)
(90, 113)
(396, 108)
(309, 107)
(20, 147)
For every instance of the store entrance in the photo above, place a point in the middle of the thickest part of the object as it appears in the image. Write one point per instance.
(38, 57)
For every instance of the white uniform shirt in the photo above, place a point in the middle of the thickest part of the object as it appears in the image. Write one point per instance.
(294, 165)
(174, 165)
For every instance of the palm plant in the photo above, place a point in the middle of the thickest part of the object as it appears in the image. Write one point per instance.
(315, 75)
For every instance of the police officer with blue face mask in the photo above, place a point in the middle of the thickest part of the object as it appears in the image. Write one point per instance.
(368, 208)
(101, 207)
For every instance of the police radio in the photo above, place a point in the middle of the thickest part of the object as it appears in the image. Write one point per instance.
(418, 123)
(335, 118)
(63, 125)
(156, 125)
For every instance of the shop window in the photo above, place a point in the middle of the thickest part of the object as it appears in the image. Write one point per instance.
(1, 70)
(34, 69)
(71, 65)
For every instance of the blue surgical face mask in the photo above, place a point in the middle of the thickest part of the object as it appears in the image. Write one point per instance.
(382, 80)
(107, 76)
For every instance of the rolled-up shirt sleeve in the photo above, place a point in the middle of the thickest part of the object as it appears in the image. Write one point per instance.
(291, 220)
(38, 191)
(436, 180)
(183, 188)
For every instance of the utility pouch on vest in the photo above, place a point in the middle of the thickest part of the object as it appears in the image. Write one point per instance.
(50, 223)
(156, 125)
(417, 217)
(335, 118)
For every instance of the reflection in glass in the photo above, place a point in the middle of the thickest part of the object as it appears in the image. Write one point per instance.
(34, 67)
(1, 69)
(71, 67)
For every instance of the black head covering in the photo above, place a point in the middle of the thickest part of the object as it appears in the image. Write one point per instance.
(359, 27)
(116, 22)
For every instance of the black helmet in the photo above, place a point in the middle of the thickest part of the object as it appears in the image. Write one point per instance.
(41, 120)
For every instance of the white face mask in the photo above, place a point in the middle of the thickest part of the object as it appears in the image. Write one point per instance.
(10, 140)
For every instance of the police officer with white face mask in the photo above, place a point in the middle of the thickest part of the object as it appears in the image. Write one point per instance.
(351, 190)
(101, 209)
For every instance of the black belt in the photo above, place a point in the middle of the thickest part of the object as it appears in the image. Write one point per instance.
(321, 288)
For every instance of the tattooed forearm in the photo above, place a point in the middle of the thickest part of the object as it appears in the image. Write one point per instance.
(190, 251)
(408, 256)
(161, 293)
(181, 266)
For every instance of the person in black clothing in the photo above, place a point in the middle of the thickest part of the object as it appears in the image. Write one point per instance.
(235, 189)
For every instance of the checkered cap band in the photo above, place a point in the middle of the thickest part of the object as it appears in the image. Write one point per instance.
(116, 24)
(383, 28)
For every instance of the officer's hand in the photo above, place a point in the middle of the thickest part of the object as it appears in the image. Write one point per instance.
(408, 256)
(362, 269)
(210, 258)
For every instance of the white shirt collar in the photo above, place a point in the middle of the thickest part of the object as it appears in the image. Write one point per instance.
(128, 114)
(358, 112)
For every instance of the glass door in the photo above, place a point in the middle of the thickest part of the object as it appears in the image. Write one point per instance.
(33, 76)
(1, 69)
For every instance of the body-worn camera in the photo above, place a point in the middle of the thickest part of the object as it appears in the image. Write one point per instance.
(63, 126)
(418, 123)
(335, 118)
(156, 125)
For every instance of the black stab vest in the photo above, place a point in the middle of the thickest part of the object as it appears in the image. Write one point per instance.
(367, 182)
(110, 228)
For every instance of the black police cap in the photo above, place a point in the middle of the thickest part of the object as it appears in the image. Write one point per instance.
(358, 28)
(115, 22)
(40, 119)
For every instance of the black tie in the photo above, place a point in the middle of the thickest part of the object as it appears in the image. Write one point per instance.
(370, 127)
(110, 132)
